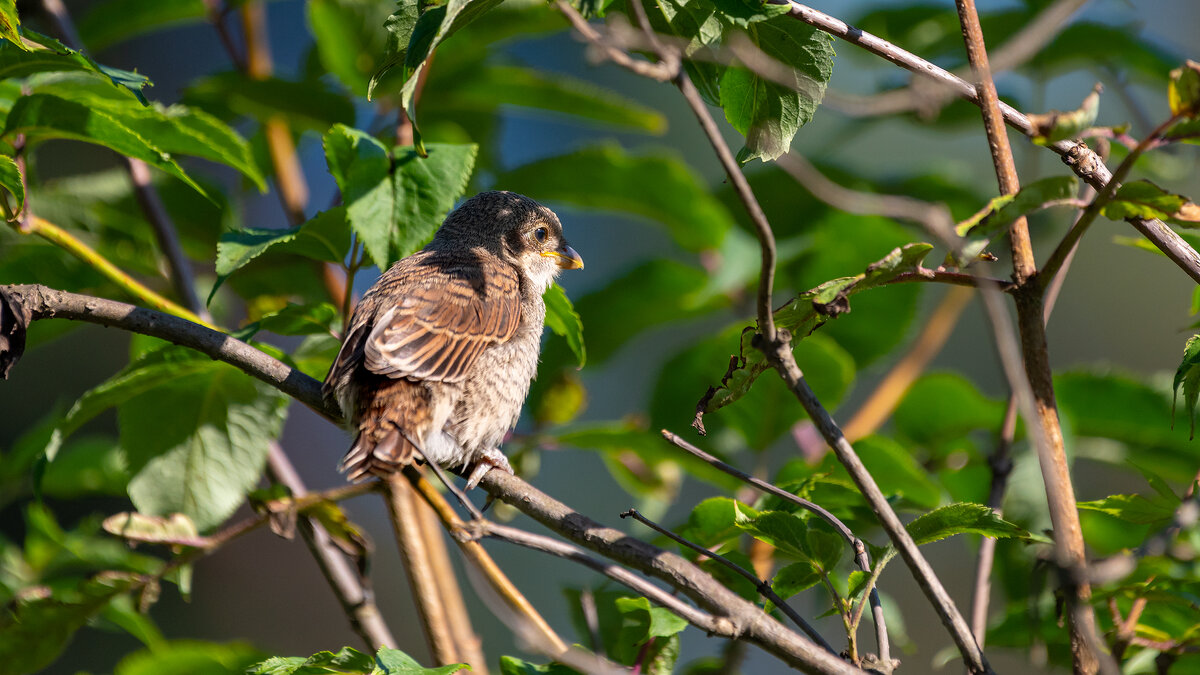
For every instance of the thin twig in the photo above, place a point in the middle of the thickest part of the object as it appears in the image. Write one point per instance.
(136, 289)
(764, 589)
(861, 557)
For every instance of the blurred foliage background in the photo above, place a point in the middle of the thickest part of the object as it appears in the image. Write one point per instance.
(671, 270)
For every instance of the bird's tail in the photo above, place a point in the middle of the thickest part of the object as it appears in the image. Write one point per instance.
(377, 454)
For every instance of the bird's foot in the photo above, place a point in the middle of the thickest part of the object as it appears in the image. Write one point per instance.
(490, 459)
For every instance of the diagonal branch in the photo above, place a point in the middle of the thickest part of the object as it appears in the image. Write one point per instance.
(736, 617)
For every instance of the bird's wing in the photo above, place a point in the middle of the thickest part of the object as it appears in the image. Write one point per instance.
(445, 314)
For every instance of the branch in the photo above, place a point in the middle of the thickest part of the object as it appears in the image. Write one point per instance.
(736, 617)
(861, 558)
(69, 243)
(1056, 474)
(1078, 156)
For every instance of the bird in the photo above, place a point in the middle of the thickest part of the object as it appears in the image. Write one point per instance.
(440, 352)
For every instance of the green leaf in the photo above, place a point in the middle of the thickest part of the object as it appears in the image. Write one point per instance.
(743, 13)
(293, 319)
(362, 168)
(698, 23)
(510, 665)
(487, 87)
(399, 27)
(714, 521)
(325, 237)
(190, 656)
(10, 180)
(1143, 199)
(195, 443)
(657, 186)
(307, 106)
(1186, 130)
(897, 472)
(1057, 126)
(1133, 509)
(993, 220)
(1118, 407)
(176, 129)
(795, 578)
(563, 320)
(963, 518)
(10, 24)
(43, 117)
(880, 320)
(941, 407)
(641, 616)
(767, 113)
(785, 531)
(54, 56)
(109, 22)
(1187, 375)
(39, 621)
(434, 26)
(1183, 90)
(425, 189)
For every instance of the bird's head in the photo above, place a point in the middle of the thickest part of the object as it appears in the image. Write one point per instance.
(519, 230)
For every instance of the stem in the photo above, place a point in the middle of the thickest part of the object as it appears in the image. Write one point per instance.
(66, 241)
(1051, 453)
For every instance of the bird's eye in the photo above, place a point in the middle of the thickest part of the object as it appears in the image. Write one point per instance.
(540, 234)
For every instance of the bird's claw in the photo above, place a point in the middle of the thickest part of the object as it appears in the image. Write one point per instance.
(490, 459)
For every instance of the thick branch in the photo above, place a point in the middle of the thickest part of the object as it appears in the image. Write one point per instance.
(738, 618)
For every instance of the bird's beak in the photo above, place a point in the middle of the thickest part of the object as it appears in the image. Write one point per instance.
(567, 258)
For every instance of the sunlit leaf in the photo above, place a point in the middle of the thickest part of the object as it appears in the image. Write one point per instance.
(1187, 375)
(43, 117)
(767, 113)
(108, 22)
(10, 180)
(1183, 89)
(1143, 199)
(964, 518)
(563, 320)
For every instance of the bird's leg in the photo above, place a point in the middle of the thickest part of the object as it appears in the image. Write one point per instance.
(489, 459)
